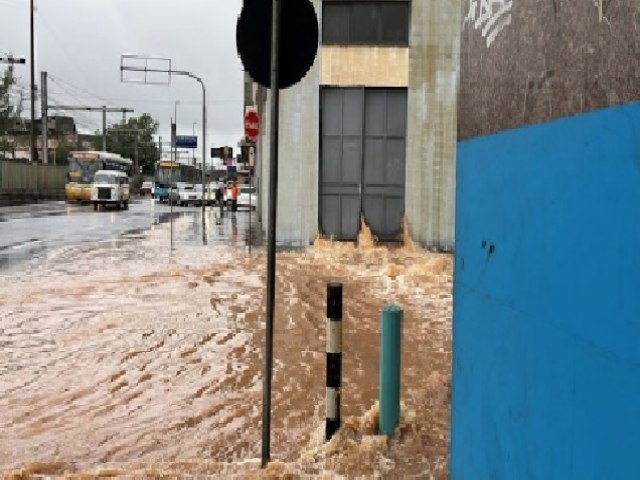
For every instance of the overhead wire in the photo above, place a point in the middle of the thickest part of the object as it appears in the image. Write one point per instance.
(60, 80)
(68, 56)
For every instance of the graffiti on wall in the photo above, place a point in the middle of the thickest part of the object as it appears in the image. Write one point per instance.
(489, 16)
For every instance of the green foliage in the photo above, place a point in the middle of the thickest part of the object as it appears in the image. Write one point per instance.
(121, 139)
(63, 151)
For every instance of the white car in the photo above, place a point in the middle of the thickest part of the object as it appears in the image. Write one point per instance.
(110, 187)
(210, 194)
(183, 193)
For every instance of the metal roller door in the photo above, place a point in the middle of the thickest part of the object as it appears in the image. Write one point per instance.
(362, 162)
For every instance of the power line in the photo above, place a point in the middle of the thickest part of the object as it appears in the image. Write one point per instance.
(70, 94)
(59, 80)
(67, 55)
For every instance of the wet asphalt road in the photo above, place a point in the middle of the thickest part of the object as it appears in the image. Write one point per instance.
(29, 232)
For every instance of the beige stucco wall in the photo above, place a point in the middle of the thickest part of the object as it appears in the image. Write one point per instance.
(370, 66)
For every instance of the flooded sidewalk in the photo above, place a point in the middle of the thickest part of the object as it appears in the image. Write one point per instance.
(127, 357)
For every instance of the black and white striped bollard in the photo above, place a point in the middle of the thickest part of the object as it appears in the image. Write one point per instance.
(334, 357)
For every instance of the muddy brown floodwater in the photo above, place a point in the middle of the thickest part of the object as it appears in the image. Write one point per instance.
(116, 358)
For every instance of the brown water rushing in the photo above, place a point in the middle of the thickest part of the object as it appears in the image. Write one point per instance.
(117, 358)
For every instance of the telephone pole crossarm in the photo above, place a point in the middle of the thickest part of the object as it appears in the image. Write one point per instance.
(11, 60)
(91, 109)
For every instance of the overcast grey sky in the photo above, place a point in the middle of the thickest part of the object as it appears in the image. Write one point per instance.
(79, 43)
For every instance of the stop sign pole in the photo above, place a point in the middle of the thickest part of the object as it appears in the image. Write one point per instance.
(271, 231)
(276, 56)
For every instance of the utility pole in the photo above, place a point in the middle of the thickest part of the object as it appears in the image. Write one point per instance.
(104, 128)
(175, 131)
(102, 109)
(32, 133)
(44, 118)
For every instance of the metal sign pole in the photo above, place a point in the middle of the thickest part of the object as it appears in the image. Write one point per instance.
(204, 145)
(271, 234)
(173, 154)
(250, 207)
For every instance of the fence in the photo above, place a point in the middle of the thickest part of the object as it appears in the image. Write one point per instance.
(22, 179)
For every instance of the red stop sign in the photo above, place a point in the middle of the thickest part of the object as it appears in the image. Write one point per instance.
(251, 124)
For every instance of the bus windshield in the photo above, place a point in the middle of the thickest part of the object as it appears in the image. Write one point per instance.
(82, 167)
(165, 176)
(82, 170)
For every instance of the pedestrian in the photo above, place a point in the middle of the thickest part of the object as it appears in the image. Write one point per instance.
(234, 196)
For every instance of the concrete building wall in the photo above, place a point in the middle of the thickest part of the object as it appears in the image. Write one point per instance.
(429, 69)
(297, 222)
(346, 66)
(431, 127)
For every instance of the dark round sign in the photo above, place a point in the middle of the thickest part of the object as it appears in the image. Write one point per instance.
(298, 40)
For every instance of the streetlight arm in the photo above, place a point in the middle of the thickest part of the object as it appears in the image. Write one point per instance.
(161, 70)
(204, 112)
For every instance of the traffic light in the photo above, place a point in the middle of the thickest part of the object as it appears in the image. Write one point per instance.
(222, 152)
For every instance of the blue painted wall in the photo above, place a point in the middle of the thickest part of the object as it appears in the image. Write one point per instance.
(546, 329)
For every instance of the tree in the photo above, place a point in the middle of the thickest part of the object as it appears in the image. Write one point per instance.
(63, 150)
(121, 139)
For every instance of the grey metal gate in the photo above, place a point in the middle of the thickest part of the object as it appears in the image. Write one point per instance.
(362, 163)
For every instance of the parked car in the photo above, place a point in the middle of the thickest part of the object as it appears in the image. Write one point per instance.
(210, 194)
(183, 194)
(146, 188)
(110, 187)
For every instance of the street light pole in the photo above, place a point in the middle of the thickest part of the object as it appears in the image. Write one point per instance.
(204, 136)
(204, 107)
(32, 133)
(175, 119)
(193, 152)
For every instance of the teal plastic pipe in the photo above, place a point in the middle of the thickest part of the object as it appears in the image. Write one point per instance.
(390, 355)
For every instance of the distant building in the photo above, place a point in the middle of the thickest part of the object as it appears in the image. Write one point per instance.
(370, 132)
(61, 132)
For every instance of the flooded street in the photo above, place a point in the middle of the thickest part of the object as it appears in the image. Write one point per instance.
(122, 356)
